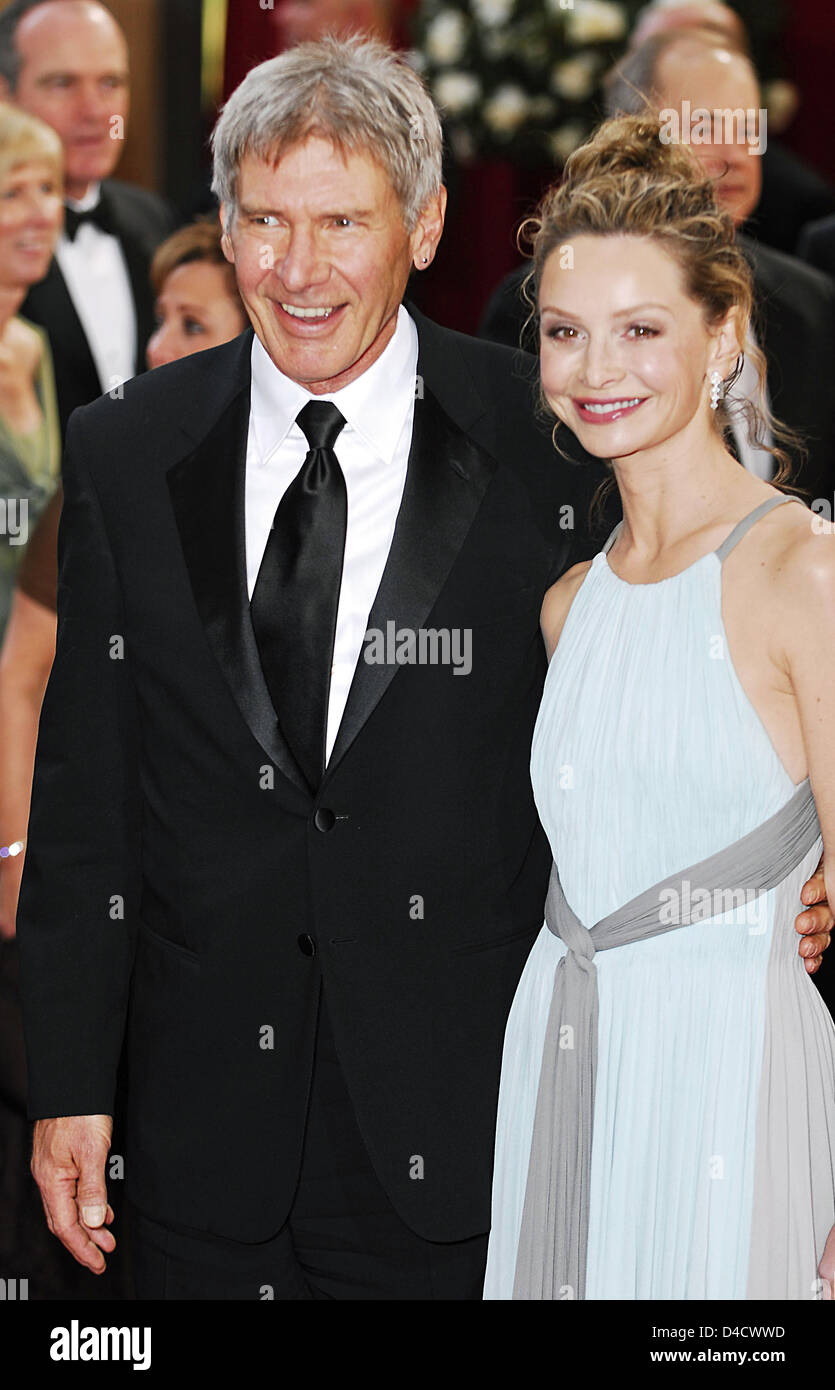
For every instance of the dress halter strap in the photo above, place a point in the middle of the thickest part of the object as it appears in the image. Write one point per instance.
(739, 530)
(748, 521)
(612, 537)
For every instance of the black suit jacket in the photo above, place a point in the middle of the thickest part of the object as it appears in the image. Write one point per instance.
(792, 195)
(796, 329)
(817, 245)
(142, 220)
(177, 869)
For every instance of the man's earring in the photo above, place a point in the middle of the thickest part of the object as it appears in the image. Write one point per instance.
(425, 259)
(715, 390)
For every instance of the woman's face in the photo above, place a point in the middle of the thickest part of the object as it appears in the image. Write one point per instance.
(194, 311)
(31, 217)
(625, 354)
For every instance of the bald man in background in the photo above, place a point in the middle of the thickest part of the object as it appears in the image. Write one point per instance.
(791, 194)
(66, 61)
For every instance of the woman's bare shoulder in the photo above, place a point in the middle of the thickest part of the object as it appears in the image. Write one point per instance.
(801, 560)
(557, 602)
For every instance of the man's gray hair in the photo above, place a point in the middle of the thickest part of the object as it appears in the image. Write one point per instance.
(355, 92)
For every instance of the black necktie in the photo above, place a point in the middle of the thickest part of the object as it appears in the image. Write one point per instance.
(99, 216)
(296, 594)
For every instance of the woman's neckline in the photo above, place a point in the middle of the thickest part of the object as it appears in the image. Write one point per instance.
(654, 583)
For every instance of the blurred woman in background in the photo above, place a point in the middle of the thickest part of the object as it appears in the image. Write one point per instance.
(31, 214)
(197, 300)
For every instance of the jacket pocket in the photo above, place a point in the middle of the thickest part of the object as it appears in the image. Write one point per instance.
(156, 938)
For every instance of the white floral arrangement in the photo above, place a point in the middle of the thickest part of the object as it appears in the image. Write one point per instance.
(518, 78)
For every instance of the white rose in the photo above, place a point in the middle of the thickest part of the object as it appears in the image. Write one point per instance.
(456, 91)
(506, 109)
(445, 36)
(565, 139)
(594, 21)
(574, 78)
(492, 12)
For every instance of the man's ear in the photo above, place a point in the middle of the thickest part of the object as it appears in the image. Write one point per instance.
(226, 246)
(428, 229)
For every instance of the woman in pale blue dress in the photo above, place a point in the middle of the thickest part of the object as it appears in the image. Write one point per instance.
(666, 1122)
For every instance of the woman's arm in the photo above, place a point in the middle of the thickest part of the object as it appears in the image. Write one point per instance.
(557, 602)
(805, 613)
(25, 661)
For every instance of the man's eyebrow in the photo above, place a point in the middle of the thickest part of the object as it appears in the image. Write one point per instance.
(121, 73)
(264, 210)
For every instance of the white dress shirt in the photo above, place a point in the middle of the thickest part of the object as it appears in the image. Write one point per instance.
(757, 460)
(373, 452)
(94, 268)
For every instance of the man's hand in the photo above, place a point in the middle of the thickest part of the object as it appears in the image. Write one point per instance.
(68, 1163)
(815, 924)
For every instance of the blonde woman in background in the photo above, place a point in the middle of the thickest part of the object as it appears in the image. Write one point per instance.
(31, 215)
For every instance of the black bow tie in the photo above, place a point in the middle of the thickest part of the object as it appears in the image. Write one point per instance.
(99, 216)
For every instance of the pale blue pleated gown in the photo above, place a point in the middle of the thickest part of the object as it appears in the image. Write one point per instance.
(713, 1148)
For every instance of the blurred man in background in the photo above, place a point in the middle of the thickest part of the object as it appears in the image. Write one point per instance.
(791, 194)
(66, 61)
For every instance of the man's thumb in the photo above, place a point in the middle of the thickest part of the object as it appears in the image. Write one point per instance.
(92, 1199)
(93, 1213)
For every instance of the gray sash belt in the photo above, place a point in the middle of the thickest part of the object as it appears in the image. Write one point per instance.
(551, 1257)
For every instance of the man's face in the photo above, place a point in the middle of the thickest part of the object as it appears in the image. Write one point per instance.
(717, 80)
(74, 76)
(322, 257)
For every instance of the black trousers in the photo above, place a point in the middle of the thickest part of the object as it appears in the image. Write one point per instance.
(343, 1238)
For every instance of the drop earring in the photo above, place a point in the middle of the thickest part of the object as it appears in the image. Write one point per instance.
(715, 390)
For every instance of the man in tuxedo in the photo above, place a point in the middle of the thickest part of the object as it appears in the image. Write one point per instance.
(282, 831)
(66, 61)
(795, 304)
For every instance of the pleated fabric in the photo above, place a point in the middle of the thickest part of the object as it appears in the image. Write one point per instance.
(712, 1171)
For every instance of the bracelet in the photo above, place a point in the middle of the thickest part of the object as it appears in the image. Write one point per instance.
(11, 851)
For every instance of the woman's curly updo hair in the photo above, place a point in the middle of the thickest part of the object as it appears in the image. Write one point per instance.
(626, 180)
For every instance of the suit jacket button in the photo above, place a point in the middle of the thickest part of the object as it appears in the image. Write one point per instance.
(307, 945)
(324, 819)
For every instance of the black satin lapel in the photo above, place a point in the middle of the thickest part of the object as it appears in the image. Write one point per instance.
(207, 493)
(447, 477)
